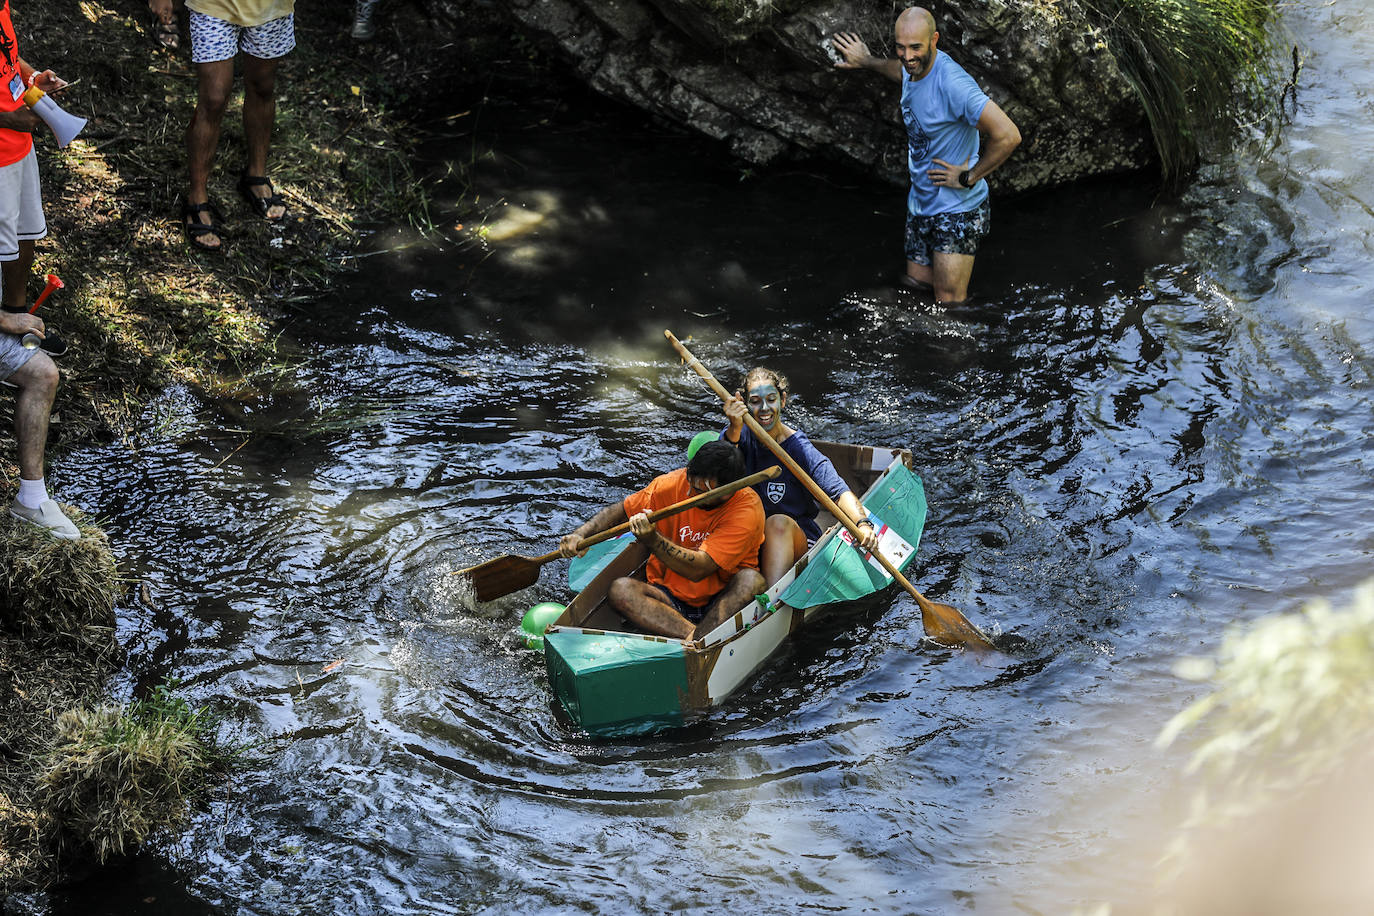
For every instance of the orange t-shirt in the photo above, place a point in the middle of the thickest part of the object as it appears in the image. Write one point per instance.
(14, 144)
(730, 534)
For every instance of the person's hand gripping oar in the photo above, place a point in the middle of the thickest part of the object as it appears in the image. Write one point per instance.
(503, 575)
(943, 624)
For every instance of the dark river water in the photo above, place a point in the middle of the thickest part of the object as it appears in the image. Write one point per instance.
(1152, 424)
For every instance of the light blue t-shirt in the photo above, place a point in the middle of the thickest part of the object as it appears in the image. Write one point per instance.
(941, 113)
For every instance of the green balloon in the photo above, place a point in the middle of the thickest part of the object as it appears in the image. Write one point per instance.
(535, 620)
(699, 440)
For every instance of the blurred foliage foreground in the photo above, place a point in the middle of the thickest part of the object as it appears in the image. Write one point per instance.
(1283, 820)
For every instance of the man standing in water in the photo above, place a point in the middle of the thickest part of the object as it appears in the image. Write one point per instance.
(945, 111)
(703, 563)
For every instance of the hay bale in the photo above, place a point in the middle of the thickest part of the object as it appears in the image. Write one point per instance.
(117, 779)
(56, 588)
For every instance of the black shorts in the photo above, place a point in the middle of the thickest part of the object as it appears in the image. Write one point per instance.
(690, 611)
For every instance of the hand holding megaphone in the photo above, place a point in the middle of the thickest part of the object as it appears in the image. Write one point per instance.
(64, 126)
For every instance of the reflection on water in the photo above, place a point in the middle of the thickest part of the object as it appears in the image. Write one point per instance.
(1153, 423)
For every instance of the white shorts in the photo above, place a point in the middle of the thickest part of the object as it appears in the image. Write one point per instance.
(214, 39)
(21, 206)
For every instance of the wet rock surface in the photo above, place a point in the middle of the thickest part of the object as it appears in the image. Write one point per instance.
(757, 75)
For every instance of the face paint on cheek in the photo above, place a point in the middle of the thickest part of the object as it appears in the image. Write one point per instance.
(764, 401)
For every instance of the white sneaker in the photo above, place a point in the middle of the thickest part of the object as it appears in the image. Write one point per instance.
(48, 515)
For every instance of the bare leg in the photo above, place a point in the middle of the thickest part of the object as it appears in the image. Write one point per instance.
(259, 116)
(921, 276)
(783, 542)
(922, 287)
(952, 273)
(202, 135)
(647, 607)
(744, 585)
(37, 382)
(14, 275)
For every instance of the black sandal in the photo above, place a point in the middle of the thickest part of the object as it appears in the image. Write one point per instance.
(196, 230)
(261, 205)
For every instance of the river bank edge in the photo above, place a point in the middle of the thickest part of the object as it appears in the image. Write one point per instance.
(142, 311)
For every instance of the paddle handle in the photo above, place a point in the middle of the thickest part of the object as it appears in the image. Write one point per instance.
(674, 509)
(821, 496)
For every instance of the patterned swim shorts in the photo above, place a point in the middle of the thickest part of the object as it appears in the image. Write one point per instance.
(214, 39)
(947, 233)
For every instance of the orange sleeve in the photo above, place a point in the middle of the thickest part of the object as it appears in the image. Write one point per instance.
(648, 499)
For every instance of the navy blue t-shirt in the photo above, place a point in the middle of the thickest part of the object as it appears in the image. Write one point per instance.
(787, 494)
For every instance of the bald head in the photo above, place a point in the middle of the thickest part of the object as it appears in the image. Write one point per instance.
(918, 18)
(915, 41)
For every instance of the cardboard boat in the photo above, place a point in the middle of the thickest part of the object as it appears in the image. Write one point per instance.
(613, 681)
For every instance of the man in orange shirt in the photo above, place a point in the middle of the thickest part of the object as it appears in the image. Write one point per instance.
(703, 563)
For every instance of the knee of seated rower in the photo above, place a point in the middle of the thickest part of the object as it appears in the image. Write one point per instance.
(746, 583)
(619, 591)
(780, 526)
(625, 593)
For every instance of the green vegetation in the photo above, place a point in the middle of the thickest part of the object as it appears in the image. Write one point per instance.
(118, 779)
(110, 781)
(1195, 64)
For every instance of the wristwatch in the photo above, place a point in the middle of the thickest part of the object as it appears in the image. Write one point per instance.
(963, 179)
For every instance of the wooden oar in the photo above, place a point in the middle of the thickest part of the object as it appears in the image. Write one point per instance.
(503, 575)
(942, 623)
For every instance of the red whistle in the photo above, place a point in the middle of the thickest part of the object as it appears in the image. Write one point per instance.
(54, 282)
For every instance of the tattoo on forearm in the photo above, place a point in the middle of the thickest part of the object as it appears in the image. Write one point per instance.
(673, 551)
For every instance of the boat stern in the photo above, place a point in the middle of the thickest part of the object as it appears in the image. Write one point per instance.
(614, 684)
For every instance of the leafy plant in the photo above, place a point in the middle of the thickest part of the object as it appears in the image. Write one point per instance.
(1194, 64)
(1291, 704)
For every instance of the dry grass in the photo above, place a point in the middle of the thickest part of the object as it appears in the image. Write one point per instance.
(142, 309)
(59, 590)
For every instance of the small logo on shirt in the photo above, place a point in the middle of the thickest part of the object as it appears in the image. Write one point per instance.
(916, 136)
(776, 491)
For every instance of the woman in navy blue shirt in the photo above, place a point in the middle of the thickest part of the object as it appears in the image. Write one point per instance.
(790, 507)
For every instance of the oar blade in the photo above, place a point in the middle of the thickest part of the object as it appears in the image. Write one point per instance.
(947, 626)
(501, 576)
